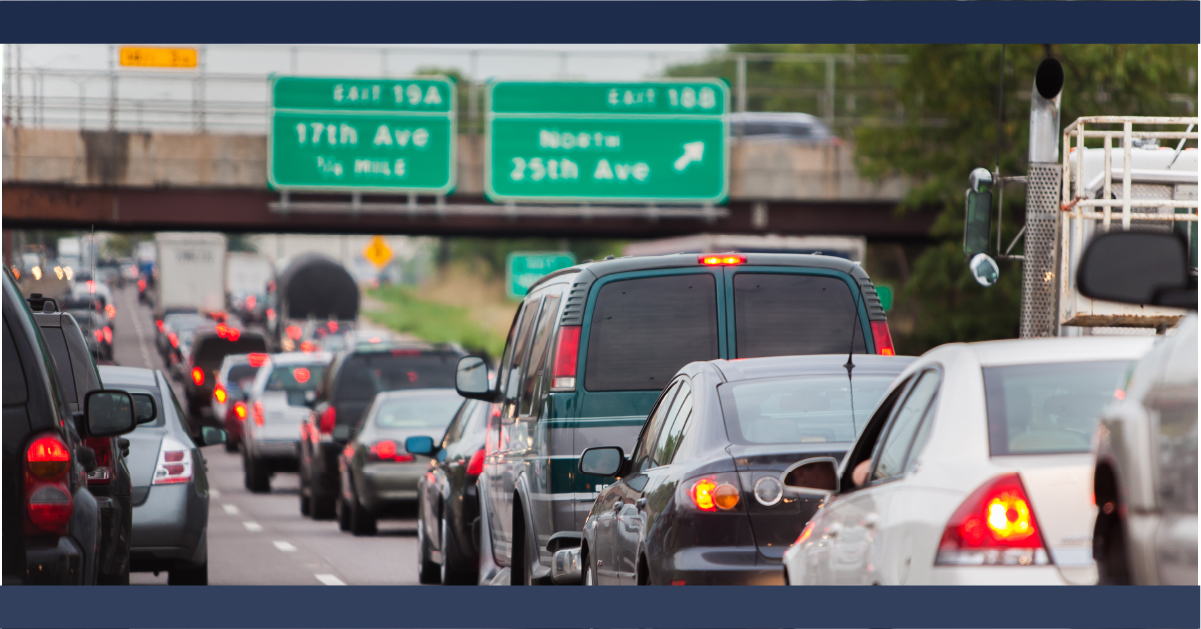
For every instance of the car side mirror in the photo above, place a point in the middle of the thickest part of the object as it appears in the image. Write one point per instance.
(210, 436)
(984, 269)
(108, 413)
(812, 478)
(471, 378)
(607, 461)
(1136, 267)
(420, 445)
(145, 408)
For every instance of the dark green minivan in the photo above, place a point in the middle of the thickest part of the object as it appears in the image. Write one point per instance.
(591, 349)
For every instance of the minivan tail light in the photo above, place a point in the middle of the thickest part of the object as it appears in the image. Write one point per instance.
(475, 466)
(994, 526)
(258, 413)
(198, 376)
(567, 353)
(174, 463)
(219, 393)
(257, 359)
(103, 448)
(882, 338)
(328, 418)
(240, 410)
(724, 259)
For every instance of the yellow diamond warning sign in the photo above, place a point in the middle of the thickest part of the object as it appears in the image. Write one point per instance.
(378, 252)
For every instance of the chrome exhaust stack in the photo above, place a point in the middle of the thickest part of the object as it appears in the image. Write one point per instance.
(1044, 112)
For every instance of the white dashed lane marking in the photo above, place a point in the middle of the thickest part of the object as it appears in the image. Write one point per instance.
(253, 527)
(284, 546)
(329, 579)
(230, 509)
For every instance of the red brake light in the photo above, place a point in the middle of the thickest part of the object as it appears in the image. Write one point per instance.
(240, 410)
(805, 533)
(258, 413)
(333, 326)
(257, 359)
(306, 347)
(271, 313)
(233, 334)
(222, 330)
(174, 340)
(110, 310)
(567, 353)
(374, 339)
(475, 466)
(219, 393)
(48, 458)
(159, 323)
(250, 301)
(141, 284)
(99, 334)
(198, 376)
(50, 508)
(328, 418)
(301, 374)
(994, 526)
(108, 334)
(702, 494)
(293, 332)
(104, 460)
(882, 338)
(724, 259)
(389, 451)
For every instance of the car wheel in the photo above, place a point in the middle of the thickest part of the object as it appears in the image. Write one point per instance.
(361, 521)
(258, 475)
(231, 446)
(427, 571)
(453, 571)
(323, 506)
(1113, 568)
(306, 503)
(343, 512)
(191, 575)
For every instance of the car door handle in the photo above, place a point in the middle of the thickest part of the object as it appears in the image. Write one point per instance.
(617, 506)
(871, 520)
(640, 504)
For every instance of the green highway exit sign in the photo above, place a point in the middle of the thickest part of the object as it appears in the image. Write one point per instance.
(646, 142)
(523, 269)
(367, 135)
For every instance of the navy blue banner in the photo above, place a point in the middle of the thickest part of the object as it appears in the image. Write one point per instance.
(718, 22)
(302, 607)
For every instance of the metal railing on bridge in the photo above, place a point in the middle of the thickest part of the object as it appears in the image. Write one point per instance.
(200, 100)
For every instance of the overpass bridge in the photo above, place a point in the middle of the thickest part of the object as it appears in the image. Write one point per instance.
(165, 150)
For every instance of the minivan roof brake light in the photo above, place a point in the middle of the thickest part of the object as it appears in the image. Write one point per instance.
(725, 259)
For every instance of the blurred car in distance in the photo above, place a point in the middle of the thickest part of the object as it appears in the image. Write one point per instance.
(800, 128)
(234, 379)
(277, 403)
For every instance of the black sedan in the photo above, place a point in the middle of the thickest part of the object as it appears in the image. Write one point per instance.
(448, 510)
(702, 499)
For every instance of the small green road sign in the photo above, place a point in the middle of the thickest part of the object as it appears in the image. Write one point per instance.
(525, 268)
(377, 135)
(649, 142)
(884, 292)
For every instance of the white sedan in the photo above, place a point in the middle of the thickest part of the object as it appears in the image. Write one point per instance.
(975, 469)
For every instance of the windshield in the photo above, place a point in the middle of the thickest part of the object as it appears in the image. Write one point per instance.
(804, 409)
(1048, 408)
(418, 410)
(295, 377)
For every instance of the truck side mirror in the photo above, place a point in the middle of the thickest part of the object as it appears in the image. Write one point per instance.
(471, 378)
(145, 408)
(978, 213)
(1134, 267)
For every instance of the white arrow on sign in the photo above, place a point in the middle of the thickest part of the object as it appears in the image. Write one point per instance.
(693, 151)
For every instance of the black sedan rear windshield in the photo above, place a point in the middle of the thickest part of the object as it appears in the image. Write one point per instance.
(211, 350)
(807, 409)
(364, 375)
(1048, 408)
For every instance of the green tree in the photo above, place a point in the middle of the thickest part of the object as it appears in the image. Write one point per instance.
(952, 91)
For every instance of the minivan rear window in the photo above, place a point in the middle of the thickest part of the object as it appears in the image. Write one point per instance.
(788, 314)
(1048, 408)
(644, 330)
(364, 375)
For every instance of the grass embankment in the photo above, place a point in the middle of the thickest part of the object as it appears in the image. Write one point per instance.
(456, 306)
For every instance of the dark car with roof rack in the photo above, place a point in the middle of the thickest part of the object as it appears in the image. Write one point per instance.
(592, 347)
(347, 388)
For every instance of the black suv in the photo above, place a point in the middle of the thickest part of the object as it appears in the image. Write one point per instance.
(51, 521)
(209, 348)
(349, 385)
(110, 482)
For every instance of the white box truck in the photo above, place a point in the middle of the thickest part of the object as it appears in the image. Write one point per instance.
(191, 272)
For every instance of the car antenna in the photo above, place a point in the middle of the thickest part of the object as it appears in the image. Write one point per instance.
(92, 288)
